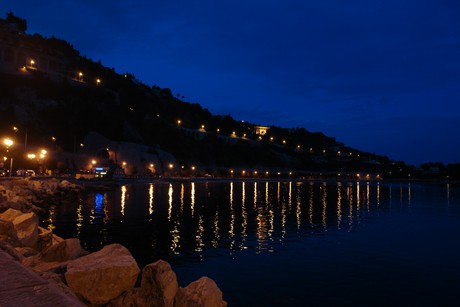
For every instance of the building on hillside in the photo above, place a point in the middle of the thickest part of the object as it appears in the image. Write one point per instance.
(261, 130)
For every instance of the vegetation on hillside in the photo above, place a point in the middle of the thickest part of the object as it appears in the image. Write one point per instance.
(124, 109)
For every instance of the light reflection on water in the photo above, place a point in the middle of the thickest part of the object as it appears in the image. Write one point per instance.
(218, 219)
(195, 222)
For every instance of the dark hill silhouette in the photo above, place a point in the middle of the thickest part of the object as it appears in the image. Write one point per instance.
(49, 90)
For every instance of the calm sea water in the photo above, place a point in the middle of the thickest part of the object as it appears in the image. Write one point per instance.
(286, 243)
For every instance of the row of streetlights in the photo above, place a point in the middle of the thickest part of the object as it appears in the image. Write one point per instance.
(271, 139)
(31, 64)
(9, 142)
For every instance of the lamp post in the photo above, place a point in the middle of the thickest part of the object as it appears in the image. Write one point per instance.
(8, 142)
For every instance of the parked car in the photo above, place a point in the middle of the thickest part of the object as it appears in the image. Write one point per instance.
(3, 173)
(30, 173)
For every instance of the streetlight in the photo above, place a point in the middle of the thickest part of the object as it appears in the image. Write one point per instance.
(8, 142)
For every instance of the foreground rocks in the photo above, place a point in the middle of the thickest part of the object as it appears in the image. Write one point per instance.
(28, 195)
(106, 277)
(102, 276)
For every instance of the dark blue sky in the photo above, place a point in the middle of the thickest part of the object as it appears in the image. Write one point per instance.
(381, 76)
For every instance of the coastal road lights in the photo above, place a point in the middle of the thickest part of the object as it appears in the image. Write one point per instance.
(8, 143)
(43, 153)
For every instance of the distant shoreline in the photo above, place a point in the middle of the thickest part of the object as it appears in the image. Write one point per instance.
(114, 183)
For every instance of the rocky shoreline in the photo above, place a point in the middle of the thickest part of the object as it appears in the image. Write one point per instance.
(108, 277)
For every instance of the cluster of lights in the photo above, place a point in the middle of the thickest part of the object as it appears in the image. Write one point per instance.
(271, 139)
(41, 155)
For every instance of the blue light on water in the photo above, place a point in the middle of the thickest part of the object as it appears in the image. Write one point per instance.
(98, 203)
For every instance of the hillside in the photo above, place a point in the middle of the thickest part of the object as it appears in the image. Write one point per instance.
(56, 98)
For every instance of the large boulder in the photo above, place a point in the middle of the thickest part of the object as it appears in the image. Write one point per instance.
(45, 238)
(10, 214)
(56, 256)
(101, 276)
(7, 230)
(159, 283)
(200, 293)
(158, 288)
(68, 249)
(26, 227)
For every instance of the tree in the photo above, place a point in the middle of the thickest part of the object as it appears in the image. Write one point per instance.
(21, 23)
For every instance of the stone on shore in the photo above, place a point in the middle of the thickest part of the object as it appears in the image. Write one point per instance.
(7, 230)
(10, 214)
(159, 284)
(45, 238)
(200, 293)
(101, 276)
(158, 288)
(56, 256)
(25, 226)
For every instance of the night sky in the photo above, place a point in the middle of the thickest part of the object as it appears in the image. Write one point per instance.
(381, 76)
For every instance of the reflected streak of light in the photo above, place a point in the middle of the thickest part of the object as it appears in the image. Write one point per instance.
(192, 199)
(199, 235)
(290, 195)
(232, 218)
(170, 201)
(79, 218)
(378, 193)
(350, 205)
(175, 241)
(255, 195)
(261, 230)
(106, 212)
(215, 241)
(310, 203)
(151, 198)
(98, 207)
(182, 192)
(324, 203)
(339, 204)
(106, 217)
(266, 193)
(123, 199)
(272, 223)
(243, 193)
(408, 195)
(283, 221)
(244, 216)
(298, 211)
(278, 193)
(358, 196)
(368, 196)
